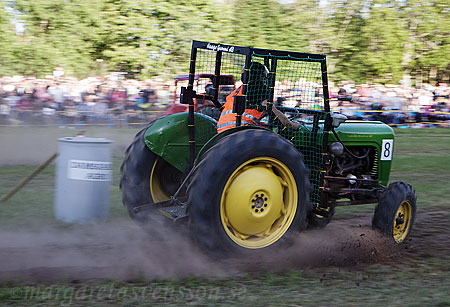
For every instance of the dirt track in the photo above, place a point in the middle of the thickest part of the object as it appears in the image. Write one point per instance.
(124, 251)
(33, 145)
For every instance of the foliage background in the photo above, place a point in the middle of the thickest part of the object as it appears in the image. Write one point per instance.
(366, 40)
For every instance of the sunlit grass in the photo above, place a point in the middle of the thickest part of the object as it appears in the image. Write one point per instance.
(421, 159)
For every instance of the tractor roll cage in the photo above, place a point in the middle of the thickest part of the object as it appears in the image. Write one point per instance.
(188, 94)
(305, 73)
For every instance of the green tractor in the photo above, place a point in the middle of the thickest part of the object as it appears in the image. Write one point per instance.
(253, 187)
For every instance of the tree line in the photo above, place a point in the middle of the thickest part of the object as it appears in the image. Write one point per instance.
(366, 41)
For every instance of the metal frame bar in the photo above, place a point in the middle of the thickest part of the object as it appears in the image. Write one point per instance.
(327, 125)
(354, 202)
(273, 71)
(249, 50)
(308, 57)
(216, 79)
(239, 107)
(221, 47)
(191, 120)
(353, 179)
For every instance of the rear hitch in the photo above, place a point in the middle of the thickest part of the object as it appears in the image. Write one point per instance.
(174, 209)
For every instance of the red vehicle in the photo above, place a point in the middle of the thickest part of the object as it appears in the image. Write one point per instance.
(204, 85)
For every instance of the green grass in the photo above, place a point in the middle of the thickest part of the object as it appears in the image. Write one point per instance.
(373, 286)
(33, 205)
(422, 158)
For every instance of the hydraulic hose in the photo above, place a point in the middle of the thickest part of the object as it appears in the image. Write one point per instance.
(348, 150)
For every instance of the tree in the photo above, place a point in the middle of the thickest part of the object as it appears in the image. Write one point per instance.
(428, 49)
(379, 40)
(384, 36)
(256, 23)
(7, 34)
(56, 33)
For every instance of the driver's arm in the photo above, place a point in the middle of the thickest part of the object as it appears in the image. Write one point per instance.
(284, 120)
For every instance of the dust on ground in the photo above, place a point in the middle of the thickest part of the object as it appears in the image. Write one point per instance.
(124, 251)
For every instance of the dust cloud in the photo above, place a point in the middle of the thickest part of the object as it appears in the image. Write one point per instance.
(125, 251)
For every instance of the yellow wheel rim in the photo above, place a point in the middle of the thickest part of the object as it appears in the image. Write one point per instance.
(402, 221)
(156, 190)
(259, 202)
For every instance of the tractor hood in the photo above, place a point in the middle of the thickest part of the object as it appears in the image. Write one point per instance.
(356, 131)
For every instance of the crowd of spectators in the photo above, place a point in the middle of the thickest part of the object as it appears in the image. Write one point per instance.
(115, 101)
(399, 105)
(111, 101)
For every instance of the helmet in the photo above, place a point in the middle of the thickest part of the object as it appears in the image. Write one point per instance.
(258, 89)
(258, 73)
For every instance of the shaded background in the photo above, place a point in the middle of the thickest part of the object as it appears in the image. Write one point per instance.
(380, 40)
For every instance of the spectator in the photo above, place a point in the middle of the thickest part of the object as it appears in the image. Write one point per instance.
(100, 111)
(83, 112)
(24, 108)
(131, 112)
(58, 93)
(164, 95)
(343, 96)
(5, 112)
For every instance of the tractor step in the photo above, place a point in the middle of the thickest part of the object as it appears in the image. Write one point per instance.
(175, 213)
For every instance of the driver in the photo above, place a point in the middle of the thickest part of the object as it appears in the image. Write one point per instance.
(256, 92)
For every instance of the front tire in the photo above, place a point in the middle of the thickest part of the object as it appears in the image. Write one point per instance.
(145, 177)
(250, 192)
(396, 211)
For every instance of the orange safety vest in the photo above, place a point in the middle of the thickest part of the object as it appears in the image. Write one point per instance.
(227, 118)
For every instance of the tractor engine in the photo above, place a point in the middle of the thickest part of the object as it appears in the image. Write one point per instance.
(359, 162)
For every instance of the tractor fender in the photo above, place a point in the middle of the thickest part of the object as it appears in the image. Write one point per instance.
(168, 137)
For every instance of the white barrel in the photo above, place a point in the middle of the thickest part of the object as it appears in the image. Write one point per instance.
(83, 179)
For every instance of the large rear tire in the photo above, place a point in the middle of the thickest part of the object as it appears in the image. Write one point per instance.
(396, 211)
(250, 192)
(145, 177)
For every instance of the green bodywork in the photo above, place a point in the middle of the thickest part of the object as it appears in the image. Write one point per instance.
(168, 138)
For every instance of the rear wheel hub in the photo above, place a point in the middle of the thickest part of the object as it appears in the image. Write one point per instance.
(259, 202)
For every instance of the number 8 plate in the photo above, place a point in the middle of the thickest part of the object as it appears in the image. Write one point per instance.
(386, 150)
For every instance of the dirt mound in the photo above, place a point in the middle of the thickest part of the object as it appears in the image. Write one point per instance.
(125, 251)
(342, 243)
